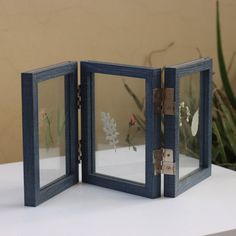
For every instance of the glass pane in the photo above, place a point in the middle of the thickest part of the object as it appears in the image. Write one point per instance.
(51, 108)
(189, 140)
(120, 127)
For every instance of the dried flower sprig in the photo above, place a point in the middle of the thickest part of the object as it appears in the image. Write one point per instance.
(46, 118)
(135, 126)
(184, 113)
(109, 128)
(137, 120)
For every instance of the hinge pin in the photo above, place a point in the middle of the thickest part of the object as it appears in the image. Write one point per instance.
(163, 100)
(79, 151)
(79, 97)
(163, 161)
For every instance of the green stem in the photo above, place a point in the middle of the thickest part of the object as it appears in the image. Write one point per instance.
(222, 66)
(49, 128)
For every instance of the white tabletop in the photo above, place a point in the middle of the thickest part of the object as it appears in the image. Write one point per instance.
(85, 209)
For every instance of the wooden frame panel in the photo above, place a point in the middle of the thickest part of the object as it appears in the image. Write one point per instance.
(152, 80)
(172, 185)
(34, 195)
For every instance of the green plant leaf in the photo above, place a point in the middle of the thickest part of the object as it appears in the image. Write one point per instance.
(138, 103)
(215, 153)
(140, 121)
(232, 111)
(60, 123)
(220, 147)
(231, 166)
(228, 124)
(222, 67)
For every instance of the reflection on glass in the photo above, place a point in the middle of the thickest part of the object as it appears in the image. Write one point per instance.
(51, 110)
(120, 127)
(189, 140)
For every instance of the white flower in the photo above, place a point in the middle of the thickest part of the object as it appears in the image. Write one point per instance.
(188, 114)
(180, 118)
(195, 122)
(182, 104)
(184, 113)
(109, 128)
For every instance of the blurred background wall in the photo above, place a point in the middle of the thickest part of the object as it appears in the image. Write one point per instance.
(39, 33)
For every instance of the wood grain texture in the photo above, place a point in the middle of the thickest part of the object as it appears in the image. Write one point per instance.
(34, 195)
(172, 185)
(152, 188)
(152, 77)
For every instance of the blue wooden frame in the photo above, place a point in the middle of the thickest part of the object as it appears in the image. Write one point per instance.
(172, 185)
(34, 195)
(152, 76)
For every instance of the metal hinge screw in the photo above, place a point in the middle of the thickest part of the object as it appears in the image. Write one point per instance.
(163, 161)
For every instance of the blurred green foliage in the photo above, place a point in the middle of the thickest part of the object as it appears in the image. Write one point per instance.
(224, 110)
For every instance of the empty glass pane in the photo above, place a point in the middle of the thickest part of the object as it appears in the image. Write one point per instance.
(189, 140)
(120, 127)
(51, 111)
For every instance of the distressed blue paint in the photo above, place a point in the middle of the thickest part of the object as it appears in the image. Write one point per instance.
(152, 77)
(172, 185)
(152, 188)
(34, 195)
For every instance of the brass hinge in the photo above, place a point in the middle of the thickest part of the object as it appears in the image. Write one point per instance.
(163, 100)
(79, 97)
(163, 161)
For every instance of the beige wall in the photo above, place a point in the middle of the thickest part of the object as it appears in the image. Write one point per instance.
(38, 33)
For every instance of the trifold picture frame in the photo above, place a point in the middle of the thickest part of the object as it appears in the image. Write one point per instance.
(162, 109)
